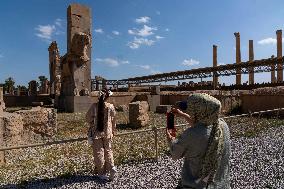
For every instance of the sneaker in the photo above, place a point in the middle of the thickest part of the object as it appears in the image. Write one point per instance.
(113, 171)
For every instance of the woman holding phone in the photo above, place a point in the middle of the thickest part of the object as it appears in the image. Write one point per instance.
(205, 145)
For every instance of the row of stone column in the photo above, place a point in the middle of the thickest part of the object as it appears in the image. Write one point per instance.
(251, 58)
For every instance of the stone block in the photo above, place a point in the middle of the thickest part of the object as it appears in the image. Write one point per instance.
(121, 108)
(37, 103)
(138, 114)
(12, 128)
(163, 108)
(153, 101)
(40, 120)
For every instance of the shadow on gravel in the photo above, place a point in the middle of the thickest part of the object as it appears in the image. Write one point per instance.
(59, 181)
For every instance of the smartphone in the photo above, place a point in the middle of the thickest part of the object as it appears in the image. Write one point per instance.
(170, 120)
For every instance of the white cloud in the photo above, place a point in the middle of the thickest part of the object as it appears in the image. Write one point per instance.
(115, 32)
(149, 68)
(159, 37)
(111, 62)
(99, 30)
(125, 62)
(142, 20)
(58, 22)
(221, 63)
(45, 31)
(143, 32)
(190, 62)
(267, 41)
(167, 29)
(146, 67)
(137, 42)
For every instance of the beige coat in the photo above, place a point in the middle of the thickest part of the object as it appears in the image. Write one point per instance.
(109, 121)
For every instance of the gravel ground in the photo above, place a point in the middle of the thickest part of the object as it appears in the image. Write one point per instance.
(255, 163)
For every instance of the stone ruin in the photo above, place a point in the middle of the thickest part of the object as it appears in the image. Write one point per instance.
(25, 126)
(138, 114)
(70, 75)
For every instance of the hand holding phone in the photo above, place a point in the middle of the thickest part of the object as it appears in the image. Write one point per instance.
(171, 130)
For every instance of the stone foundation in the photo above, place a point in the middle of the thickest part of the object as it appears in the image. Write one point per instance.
(26, 126)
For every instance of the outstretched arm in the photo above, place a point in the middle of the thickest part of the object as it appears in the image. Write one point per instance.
(180, 113)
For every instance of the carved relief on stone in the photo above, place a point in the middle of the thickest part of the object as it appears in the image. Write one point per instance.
(86, 92)
(79, 47)
(76, 92)
(58, 85)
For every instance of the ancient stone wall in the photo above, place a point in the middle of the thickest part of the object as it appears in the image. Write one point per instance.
(40, 120)
(26, 126)
(138, 114)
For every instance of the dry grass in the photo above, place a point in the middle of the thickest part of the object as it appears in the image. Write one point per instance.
(68, 159)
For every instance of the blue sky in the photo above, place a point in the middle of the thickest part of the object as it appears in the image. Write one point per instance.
(138, 37)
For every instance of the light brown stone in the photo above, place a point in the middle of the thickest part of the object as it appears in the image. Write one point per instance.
(54, 68)
(215, 77)
(238, 58)
(40, 120)
(279, 56)
(138, 114)
(251, 58)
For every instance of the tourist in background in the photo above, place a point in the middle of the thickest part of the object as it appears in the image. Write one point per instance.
(205, 145)
(101, 118)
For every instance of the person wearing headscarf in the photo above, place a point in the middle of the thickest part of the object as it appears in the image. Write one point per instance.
(101, 119)
(205, 145)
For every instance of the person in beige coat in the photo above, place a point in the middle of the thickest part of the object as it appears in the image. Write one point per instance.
(101, 119)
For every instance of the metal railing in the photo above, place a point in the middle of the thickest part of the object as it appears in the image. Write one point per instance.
(153, 129)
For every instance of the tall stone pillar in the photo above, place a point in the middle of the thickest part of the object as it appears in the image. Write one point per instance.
(2, 105)
(238, 58)
(279, 55)
(215, 77)
(273, 79)
(54, 66)
(79, 44)
(32, 88)
(251, 58)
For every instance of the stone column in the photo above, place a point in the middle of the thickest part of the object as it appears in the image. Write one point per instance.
(251, 58)
(2, 143)
(54, 65)
(273, 79)
(279, 55)
(238, 58)
(2, 153)
(32, 88)
(215, 77)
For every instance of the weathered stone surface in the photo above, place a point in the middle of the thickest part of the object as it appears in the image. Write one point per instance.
(76, 71)
(12, 128)
(54, 67)
(163, 108)
(32, 88)
(2, 104)
(138, 114)
(40, 120)
(121, 108)
(37, 103)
